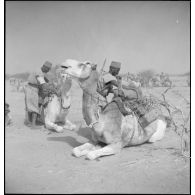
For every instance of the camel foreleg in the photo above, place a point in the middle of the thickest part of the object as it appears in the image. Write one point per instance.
(160, 128)
(69, 125)
(105, 151)
(53, 126)
(83, 149)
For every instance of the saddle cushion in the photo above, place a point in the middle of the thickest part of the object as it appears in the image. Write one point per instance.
(145, 111)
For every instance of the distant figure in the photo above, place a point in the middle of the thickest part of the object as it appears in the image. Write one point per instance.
(7, 117)
(162, 76)
(12, 81)
(164, 80)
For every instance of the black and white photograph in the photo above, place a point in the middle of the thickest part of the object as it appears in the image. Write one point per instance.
(97, 97)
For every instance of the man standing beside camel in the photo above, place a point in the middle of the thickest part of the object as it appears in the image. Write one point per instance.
(37, 89)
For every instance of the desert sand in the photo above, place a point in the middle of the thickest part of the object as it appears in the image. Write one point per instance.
(40, 161)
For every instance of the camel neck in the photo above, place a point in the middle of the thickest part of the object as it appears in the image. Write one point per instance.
(89, 86)
(65, 86)
(89, 104)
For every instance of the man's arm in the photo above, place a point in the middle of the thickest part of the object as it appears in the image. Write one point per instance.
(112, 82)
(46, 79)
(40, 79)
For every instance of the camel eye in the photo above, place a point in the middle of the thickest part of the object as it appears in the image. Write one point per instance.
(81, 65)
(84, 67)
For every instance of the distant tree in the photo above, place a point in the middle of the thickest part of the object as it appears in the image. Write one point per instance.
(23, 76)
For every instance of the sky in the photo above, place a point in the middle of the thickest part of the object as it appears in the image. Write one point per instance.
(141, 35)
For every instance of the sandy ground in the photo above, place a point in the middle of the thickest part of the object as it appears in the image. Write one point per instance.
(37, 161)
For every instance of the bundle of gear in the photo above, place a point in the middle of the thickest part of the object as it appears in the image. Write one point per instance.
(146, 110)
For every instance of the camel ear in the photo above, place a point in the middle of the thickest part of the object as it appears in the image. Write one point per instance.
(87, 62)
(63, 66)
(81, 65)
(94, 66)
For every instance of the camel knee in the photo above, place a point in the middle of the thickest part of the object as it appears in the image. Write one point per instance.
(86, 146)
(53, 126)
(160, 131)
(70, 125)
(105, 151)
(78, 153)
(47, 123)
(83, 149)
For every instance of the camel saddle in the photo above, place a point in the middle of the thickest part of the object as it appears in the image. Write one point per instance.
(144, 109)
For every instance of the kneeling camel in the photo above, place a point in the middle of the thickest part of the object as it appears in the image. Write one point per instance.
(108, 126)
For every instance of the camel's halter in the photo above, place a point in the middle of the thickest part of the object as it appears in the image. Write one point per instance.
(85, 88)
(60, 99)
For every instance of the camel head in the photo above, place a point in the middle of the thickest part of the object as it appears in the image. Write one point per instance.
(79, 70)
(84, 72)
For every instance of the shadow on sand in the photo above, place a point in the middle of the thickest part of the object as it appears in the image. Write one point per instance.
(68, 139)
(84, 132)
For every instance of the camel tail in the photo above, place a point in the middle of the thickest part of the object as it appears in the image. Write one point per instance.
(168, 120)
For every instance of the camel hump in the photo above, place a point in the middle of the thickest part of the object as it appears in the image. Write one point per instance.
(110, 107)
(115, 107)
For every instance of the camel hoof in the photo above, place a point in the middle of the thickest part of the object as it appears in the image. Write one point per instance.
(74, 128)
(76, 152)
(91, 156)
(77, 128)
(59, 129)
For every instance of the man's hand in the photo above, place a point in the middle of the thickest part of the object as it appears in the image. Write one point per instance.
(121, 93)
(118, 77)
(104, 93)
(118, 93)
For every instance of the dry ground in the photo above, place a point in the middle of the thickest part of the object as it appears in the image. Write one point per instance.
(37, 161)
